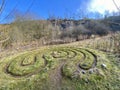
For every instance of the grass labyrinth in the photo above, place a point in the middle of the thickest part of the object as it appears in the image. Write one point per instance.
(79, 63)
(29, 63)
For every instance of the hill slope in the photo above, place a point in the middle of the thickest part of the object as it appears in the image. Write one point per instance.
(60, 67)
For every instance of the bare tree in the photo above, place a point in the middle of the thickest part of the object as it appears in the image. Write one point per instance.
(2, 5)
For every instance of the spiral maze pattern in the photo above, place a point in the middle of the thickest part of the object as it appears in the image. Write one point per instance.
(25, 65)
(75, 59)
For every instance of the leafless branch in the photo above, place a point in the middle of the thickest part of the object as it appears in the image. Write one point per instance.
(2, 5)
(116, 5)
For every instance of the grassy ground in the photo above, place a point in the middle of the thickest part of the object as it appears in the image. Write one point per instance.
(61, 67)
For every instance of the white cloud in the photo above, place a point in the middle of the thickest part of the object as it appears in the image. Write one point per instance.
(102, 5)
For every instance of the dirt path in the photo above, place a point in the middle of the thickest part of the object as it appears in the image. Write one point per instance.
(56, 77)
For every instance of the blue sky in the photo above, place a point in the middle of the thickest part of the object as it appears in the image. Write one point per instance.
(58, 8)
(42, 8)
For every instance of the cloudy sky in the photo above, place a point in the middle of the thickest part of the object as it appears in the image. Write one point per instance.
(61, 8)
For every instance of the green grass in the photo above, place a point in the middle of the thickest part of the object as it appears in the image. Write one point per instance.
(60, 67)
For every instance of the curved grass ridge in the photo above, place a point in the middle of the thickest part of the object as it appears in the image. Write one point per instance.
(31, 63)
(90, 60)
(27, 64)
(85, 60)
